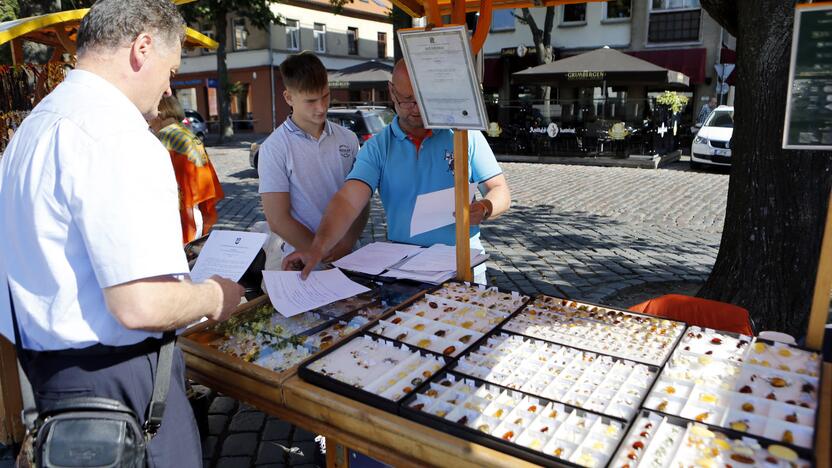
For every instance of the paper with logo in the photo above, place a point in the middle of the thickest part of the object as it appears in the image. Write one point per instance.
(227, 254)
(434, 210)
(290, 295)
(374, 258)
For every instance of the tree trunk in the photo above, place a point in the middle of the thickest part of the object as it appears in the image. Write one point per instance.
(777, 199)
(226, 129)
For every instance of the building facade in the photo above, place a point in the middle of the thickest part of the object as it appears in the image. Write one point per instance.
(360, 32)
(675, 34)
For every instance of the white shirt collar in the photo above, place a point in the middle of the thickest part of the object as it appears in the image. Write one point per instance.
(108, 93)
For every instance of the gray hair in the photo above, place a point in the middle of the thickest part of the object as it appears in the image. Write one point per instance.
(116, 23)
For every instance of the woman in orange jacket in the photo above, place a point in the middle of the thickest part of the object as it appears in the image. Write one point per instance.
(199, 187)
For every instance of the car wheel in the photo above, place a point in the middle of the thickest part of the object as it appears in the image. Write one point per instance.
(201, 136)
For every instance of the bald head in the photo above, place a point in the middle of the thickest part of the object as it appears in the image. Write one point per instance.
(400, 73)
(402, 92)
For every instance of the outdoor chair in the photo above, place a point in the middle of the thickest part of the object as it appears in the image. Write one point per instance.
(700, 312)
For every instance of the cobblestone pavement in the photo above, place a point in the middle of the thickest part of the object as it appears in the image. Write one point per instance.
(575, 231)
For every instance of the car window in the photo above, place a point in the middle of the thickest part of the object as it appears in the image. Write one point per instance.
(722, 119)
(194, 115)
(347, 122)
(374, 122)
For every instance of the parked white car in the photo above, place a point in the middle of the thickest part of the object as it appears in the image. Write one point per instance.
(712, 144)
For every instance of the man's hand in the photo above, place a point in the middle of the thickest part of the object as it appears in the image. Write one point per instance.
(479, 211)
(229, 294)
(305, 261)
(342, 248)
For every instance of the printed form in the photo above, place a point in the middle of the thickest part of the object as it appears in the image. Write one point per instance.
(227, 254)
(290, 295)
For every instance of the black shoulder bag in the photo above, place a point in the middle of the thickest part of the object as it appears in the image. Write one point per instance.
(92, 431)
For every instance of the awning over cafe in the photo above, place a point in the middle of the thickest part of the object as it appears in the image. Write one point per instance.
(370, 74)
(601, 65)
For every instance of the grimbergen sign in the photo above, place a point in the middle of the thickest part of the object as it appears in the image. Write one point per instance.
(586, 75)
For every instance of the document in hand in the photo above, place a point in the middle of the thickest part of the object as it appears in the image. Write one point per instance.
(290, 295)
(227, 254)
(374, 258)
(434, 210)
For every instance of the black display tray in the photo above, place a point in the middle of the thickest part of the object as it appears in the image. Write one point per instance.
(806, 454)
(433, 289)
(356, 393)
(728, 430)
(655, 370)
(478, 437)
(530, 303)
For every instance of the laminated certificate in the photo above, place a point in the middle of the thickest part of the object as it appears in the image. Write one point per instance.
(445, 84)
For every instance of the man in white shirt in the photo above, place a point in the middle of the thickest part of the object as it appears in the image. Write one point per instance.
(90, 240)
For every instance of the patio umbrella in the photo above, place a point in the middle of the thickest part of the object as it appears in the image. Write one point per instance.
(369, 74)
(603, 65)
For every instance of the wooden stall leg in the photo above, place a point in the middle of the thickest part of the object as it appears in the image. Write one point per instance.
(823, 281)
(11, 426)
(463, 206)
(337, 454)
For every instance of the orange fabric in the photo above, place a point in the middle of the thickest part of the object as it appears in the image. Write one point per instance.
(199, 186)
(698, 311)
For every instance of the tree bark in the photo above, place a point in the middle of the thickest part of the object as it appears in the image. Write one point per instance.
(220, 25)
(777, 198)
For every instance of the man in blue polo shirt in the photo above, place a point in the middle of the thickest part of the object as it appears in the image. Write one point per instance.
(404, 161)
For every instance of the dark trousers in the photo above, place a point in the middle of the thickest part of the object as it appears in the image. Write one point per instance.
(127, 377)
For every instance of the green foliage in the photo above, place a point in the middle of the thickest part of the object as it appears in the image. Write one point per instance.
(673, 100)
(9, 10)
(258, 12)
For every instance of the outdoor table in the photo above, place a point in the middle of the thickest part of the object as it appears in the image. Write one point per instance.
(350, 424)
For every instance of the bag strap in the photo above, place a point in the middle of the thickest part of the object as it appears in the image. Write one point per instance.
(29, 414)
(161, 385)
(161, 380)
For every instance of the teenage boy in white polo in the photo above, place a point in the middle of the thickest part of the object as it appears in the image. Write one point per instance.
(305, 161)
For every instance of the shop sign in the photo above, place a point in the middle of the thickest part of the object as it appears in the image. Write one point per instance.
(808, 123)
(552, 130)
(339, 84)
(186, 83)
(586, 75)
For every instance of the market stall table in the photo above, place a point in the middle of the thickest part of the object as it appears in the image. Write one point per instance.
(352, 418)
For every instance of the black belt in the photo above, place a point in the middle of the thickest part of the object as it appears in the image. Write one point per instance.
(148, 346)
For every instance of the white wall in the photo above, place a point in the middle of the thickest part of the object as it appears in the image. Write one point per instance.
(597, 32)
(336, 31)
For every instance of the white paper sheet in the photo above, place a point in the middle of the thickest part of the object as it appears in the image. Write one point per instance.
(435, 209)
(439, 258)
(374, 258)
(290, 295)
(422, 277)
(227, 254)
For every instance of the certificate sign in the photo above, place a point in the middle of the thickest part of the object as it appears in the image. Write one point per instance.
(445, 84)
(809, 105)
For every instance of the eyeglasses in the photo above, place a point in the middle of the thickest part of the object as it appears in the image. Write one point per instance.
(402, 104)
